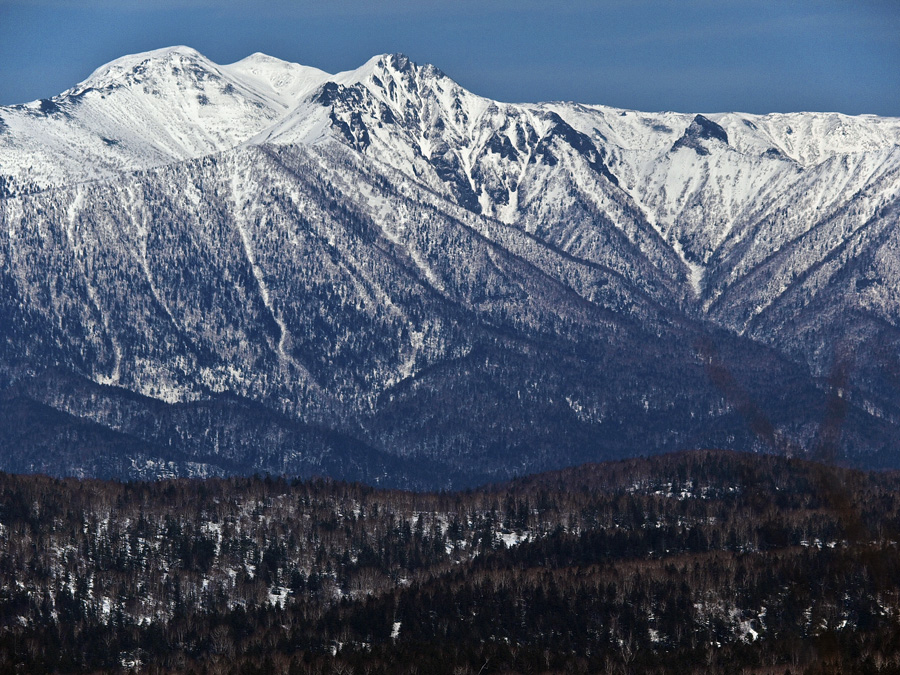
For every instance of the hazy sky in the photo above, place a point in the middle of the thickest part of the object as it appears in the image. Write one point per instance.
(687, 55)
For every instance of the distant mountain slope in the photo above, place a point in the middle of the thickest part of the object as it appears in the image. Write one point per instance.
(431, 275)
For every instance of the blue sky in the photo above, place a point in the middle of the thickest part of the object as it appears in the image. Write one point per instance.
(687, 55)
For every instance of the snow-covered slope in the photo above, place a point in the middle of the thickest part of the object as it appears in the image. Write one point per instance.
(145, 110)
(682, 190)
(384, 253)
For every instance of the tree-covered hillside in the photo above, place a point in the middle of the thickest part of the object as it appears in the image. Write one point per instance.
(700, 562)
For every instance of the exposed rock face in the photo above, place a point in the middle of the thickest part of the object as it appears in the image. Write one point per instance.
(701, 129)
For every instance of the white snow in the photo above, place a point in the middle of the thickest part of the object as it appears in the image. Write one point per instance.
(278, 595)
(237, 189)
(695, 277)
(511, 539)
(275, 79)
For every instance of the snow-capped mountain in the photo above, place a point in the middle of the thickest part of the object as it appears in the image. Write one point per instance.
(143, 111)
(425, 272)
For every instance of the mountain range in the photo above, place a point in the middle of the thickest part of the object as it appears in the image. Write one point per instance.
(378, 275)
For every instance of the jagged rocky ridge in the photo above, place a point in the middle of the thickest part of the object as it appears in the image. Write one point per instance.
(379, 275)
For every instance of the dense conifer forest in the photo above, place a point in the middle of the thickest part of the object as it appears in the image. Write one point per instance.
(705, 562)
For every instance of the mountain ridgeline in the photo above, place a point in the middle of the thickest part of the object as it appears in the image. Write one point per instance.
(380, 276)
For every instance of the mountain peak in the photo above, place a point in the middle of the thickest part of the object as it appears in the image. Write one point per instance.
(133, 67)
(701, 129)
(401, 63)
(260, 56)
(261, 60)
(398, 61)
(162, 54)
(384, 67)
(282, 80)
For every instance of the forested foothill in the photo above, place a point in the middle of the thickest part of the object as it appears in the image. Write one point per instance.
(702, 562)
